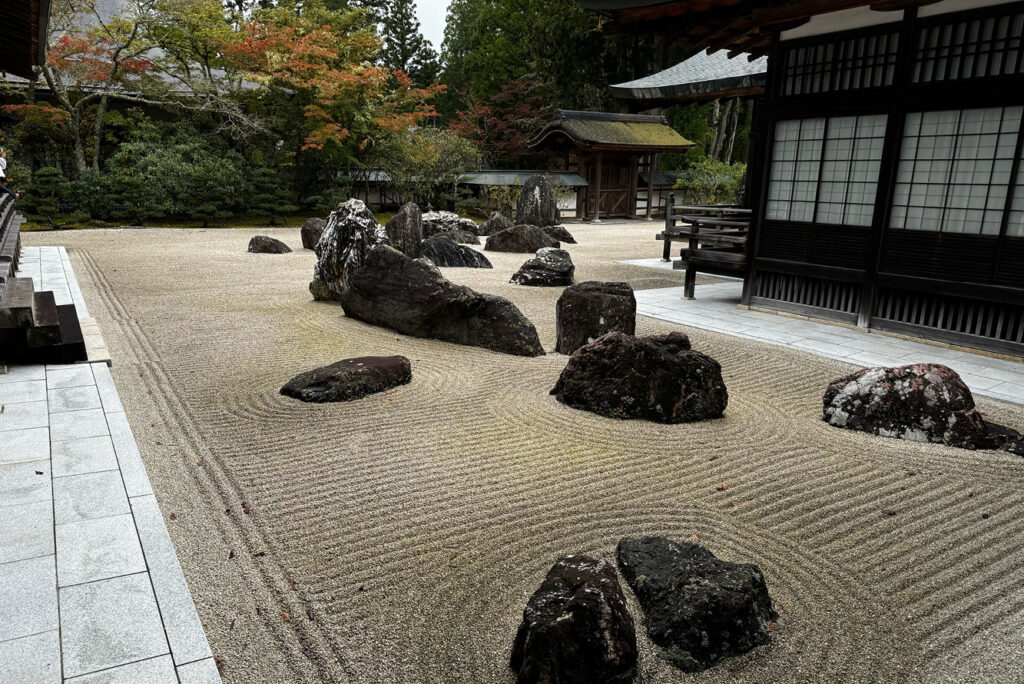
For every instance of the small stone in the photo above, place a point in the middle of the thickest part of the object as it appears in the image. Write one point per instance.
(699, 609)
(576, 628)
(311, 231)
(350, 379)
(587, 311)
(262, 244)
(560, 233)
(551, 267)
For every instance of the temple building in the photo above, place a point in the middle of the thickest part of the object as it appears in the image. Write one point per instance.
(885, 170)
(610, 151)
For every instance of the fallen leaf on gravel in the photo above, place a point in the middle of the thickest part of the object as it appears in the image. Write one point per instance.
(39, 472)
(291, 585)
(984, 516)
(231, 554)
(232, 625)
(285, 615)
(735, 503)
(713, 458)
(725, 485)
(888, 511)
(911, 472)
(694, 537)
(260, 554)
(219, 662)
(309, 614)
(173, 516)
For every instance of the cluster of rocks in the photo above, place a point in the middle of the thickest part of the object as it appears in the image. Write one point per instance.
(350, 379)
(699, 610)
(447, 222)
(658, 378)
(919, 402)
(360, 265)
(263, 244)
(551, 267)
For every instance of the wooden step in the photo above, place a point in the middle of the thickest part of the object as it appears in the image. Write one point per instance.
(45, 330)
(16, 304)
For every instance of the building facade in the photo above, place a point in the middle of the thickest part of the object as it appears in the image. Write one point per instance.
(887, 180)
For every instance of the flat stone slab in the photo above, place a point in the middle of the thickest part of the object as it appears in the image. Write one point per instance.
(350, 379)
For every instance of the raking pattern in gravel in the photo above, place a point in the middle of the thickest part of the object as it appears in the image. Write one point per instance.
(416, 523)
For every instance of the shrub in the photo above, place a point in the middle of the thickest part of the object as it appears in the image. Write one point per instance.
(709, 182)
(43, 200)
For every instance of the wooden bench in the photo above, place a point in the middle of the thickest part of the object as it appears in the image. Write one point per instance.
(715, 236)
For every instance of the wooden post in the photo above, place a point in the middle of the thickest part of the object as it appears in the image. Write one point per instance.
(597, 193)
(666, 252)
(634, 182)
(691, 271)
(650, 186)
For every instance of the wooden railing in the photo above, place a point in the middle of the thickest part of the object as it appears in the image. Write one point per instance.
(716, 237)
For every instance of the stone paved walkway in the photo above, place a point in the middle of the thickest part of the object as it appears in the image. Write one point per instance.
(715, 308)
(90, 586)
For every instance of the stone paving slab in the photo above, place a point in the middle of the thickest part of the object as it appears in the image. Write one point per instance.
(91, 590)
(715, 308)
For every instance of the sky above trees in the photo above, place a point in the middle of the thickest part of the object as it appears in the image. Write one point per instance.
(431, 14)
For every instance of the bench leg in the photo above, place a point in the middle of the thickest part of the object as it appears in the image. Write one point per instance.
(666, 253)
(690, 282)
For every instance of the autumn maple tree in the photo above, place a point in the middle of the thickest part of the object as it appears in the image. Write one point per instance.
(502, 124)
(324, 63)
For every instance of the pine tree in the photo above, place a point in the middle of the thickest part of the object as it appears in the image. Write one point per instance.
(404, 47)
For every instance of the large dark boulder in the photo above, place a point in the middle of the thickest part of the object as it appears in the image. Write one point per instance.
(405, 230)
(655, 378)
(350, 379)
(588, 310)
(435, 222)
(537, 205)
(412, 297)
(575, 628)
(311, 231)
(442, 250)
(551, 267)
(921, 402)
(350, 234)
(521, 238)
(699, 609)
(497, 222)
(263, 244)
(560, 233)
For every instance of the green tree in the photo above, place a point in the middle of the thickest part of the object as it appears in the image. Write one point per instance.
(403, 46)
(43, 200)
(425, 164)
(270, 198)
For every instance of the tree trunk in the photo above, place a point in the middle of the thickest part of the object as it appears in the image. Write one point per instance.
(101, 111)
(75, 126)
(722, 123)
(727, 156)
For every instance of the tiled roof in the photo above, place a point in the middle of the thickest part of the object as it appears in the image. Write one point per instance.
(703, 74)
